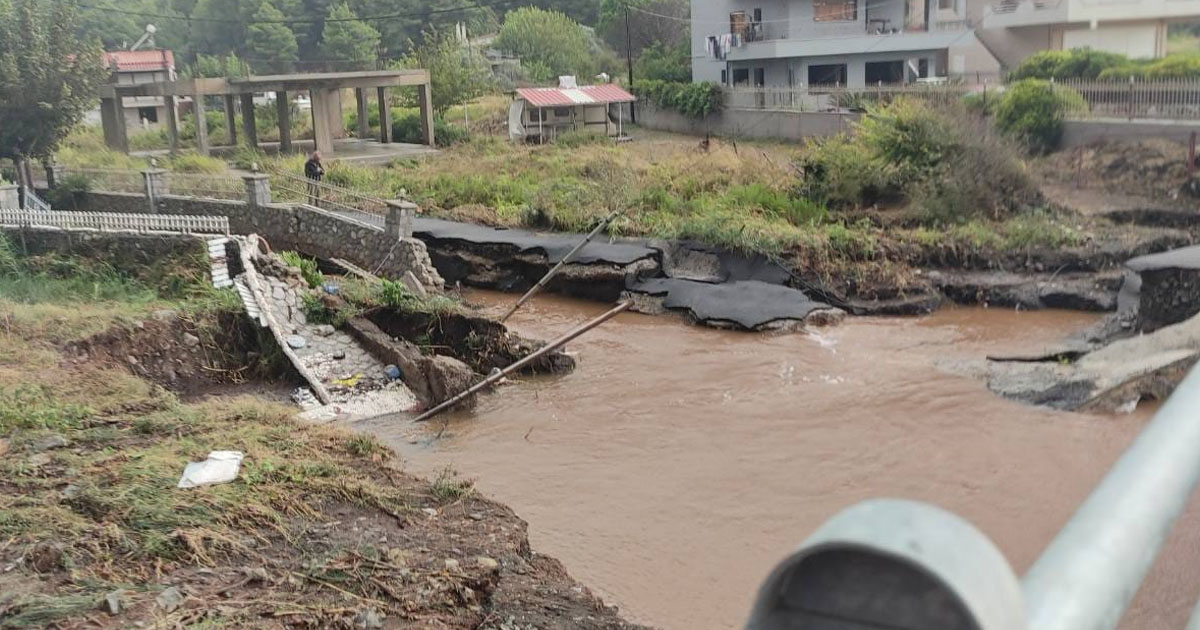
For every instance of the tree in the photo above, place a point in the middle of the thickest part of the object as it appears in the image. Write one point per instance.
(457, 75)
(271, 46)
(548, 42)
(48, 78)
(661, 63)
(347, 38)
(214, 67)
(665, 22)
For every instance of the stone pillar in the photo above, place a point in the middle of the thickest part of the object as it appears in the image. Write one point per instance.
(337, 122)
(231, 119)
(385, 116)
(156, 185)
(112, 117)
(364, 113)
(172, 123)
(258, 189)
(249, 126)
(10, 197)
(283, 111)
(55, 174)
(425, 99)
(322, 134)
(399, 220)
(201, 123)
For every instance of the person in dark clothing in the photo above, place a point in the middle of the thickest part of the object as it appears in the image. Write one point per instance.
(314, 171)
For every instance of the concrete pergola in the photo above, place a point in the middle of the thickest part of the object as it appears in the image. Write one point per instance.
(325, 90)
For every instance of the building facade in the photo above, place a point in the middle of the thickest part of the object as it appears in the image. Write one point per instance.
(139, 67)
(856, 43)
(847, 43)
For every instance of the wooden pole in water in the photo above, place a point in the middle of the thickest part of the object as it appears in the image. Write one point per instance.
(562, 263)
(554, 345)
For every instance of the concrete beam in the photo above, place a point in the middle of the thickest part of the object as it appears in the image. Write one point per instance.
(364, 113)
(283, 110)
(201, 123)
(425, 100)
(249, 126)
(231, 118)
(385, 116)
(172, 122)
(275, 83)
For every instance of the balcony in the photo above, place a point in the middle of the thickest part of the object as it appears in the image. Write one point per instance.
(1012, 13)
(912, 41)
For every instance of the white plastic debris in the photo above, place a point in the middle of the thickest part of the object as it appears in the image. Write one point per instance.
(220, 467)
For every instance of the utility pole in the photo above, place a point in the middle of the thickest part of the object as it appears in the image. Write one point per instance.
(629, 58)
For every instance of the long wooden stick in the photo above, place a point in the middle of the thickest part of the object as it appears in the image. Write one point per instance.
(554, 345)
(562, 263)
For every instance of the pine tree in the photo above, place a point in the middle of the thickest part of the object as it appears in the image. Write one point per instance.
(348, 39)
(271, 47)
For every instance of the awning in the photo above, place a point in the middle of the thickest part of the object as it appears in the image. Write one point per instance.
(583, 95)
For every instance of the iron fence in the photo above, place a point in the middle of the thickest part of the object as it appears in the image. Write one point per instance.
(835, 98)
(32, 201)
(113, 180)
(1169, 99)
(349, 203)
(207, 186)
(116, 222)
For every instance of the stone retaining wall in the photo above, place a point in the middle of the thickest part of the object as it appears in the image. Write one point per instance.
(298, 227)
(129, 252)
(1168, 296)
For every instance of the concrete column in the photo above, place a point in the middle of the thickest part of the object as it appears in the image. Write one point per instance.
(258, 189)
(55, 174)
(385, 116)
(399, 220)
(201, 124)
(337, 122)
(249, 126)
(283, 111)
(425, 99)
(231, 119)
(322, 134)
(364, 113)
(10, 197)
(112, 117)
(172, 123)
(156, 185)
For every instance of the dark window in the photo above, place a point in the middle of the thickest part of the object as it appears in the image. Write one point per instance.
(835, 10)
(758, 15)
(741, 76)
(148, 114)
(724, 77)
(945, 5)
(537, 115)
(923, 68)
(760, 77)
(562, 112)
(831, 74)
(886, 72)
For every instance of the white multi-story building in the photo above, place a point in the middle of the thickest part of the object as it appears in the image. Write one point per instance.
(855, 43)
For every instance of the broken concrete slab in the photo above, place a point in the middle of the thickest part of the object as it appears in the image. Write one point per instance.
(746, 305)
(554, 245)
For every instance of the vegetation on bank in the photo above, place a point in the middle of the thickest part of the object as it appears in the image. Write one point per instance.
(1085, 63)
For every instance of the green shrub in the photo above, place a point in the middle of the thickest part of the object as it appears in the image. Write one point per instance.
(576, 139)
(695, 100)
(1033, 112)
(842, 171)
(407, 128)
(775, 203)
(197, 163)
(909, 135)
(307, 266)
(1178, 66)
(1077, 63)
(70, 193)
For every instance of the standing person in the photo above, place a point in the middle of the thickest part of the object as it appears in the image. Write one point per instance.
(314, 171)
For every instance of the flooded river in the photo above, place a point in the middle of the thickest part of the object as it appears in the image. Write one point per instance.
(678, 464)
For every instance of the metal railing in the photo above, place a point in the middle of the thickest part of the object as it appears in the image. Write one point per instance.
(319, 194)
(832, 98)
(1170, 99)
(1084, 580)
(116, 222)
(114, 180)
(207, 185)
(32, 201)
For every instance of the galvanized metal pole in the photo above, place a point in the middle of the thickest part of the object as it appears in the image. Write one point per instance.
(1087, 576)
(562, 263)
(552, 346)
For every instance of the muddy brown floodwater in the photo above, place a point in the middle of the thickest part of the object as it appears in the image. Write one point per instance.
(678, 464)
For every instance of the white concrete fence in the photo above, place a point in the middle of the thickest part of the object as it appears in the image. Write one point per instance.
(114, 222)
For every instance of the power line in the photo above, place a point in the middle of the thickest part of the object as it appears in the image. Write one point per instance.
(369, 18)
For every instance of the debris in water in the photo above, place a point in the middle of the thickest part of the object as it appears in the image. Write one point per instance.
(220, 467)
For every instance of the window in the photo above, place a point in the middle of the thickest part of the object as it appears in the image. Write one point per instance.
(885, 72)
(946, 5)
(537, 115)
(923, 68)
(562, 112)
(724, 77)
(741, 76)
(832, 74)
(836, 10)
(760, 77)
(148, 114)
